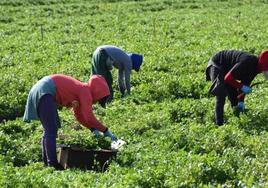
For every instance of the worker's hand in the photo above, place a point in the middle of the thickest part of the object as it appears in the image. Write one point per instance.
(110, 134)
(245, 89)
(96, 133)
(241, 106)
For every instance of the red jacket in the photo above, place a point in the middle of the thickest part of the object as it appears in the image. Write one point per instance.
(69, 90)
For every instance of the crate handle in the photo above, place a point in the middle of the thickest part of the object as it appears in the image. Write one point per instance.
(103, 166)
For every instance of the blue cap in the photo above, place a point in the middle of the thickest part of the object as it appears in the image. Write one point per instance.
(137, 60)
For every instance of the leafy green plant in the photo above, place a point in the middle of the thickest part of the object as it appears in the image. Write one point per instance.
(84, 140)
(167, 121)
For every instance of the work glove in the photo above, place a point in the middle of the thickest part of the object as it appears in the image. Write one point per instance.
(241, 106)
(245, 89)
(110, 134)
(95, 132)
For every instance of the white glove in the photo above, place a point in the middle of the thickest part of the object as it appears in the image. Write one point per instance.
(116, 145)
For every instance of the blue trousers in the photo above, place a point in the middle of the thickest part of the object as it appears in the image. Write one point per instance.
(48, 115)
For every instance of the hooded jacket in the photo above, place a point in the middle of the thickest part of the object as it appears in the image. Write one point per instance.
(121, 61)
(69, 90)
(236, 65)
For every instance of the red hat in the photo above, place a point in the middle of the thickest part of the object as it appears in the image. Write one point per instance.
(263, 61)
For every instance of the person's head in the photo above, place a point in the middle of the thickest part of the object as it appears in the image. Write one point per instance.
(137, 60)
(99, 89)
(263, 63)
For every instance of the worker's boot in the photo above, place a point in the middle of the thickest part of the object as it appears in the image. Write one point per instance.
(50, 148)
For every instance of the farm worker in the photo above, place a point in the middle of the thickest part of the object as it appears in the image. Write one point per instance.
(231, 73)
(106, 57)
(62, 90)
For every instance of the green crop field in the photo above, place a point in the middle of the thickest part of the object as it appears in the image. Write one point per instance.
(168, 119)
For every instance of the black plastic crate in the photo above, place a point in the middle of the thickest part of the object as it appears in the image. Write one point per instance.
(74, 157)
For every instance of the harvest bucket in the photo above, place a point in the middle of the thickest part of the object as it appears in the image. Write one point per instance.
(74, 157)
